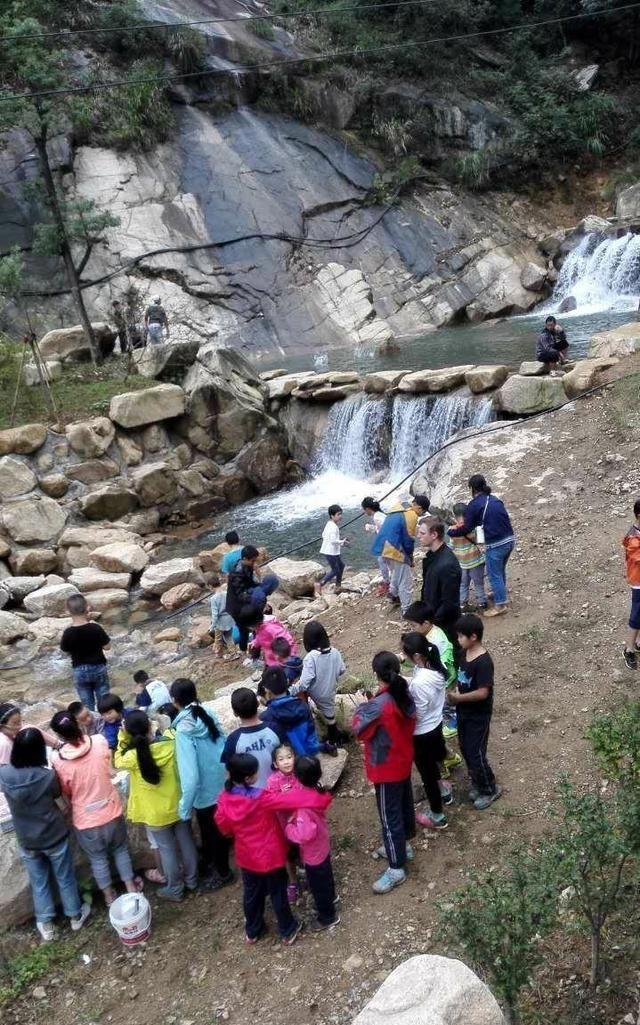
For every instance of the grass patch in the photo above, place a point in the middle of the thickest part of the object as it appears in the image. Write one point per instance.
(82, 391)
(24, 969)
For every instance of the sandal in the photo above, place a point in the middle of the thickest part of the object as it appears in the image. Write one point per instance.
(154, 875)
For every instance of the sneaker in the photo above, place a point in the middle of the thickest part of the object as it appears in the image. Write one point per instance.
(382, 852)
(431, 821)
(474, 794)
(288, 941)
(497, 610)
(47, 931)
(389, 879)
(79, 920)
(451, 761)
(318, 926)
(293, 893)
(250, 940)
(165, 894)
(247, 662)
(486, 800)
(446, 792)
(214, 881)
(450, 730)
(630, 658)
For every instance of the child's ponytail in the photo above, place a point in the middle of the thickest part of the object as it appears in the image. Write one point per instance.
(137, 726)
(184, 693)
(417, 644)
(386, 666)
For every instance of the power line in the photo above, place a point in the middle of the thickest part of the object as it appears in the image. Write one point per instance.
(317, 58)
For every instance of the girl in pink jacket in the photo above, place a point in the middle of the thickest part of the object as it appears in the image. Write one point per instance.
(83, 766)
(281, 781)
(265, 631)
(308, 828)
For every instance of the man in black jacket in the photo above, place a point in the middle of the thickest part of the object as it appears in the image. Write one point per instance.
(239, 592)
(441, 575)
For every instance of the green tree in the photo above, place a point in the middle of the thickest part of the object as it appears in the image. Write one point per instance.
(615, 739)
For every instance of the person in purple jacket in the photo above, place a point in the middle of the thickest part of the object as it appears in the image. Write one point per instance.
(487, 515)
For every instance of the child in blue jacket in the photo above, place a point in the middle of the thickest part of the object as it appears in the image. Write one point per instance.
(289, 717)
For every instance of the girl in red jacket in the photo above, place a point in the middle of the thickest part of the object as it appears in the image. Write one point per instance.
(385, 724)
(248, 814)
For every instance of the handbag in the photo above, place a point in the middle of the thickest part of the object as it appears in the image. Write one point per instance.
(480, 530)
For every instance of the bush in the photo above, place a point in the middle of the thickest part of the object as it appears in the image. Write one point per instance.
(186, 49)
(616, 742)
(142, 116)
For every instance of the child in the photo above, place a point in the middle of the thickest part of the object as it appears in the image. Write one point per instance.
(292, 664)
(289, 717)
(331, 547)
(231, 558)
(85, 642)
(281, 781)
(265, 633)
(419, 617)
(241, 585)
(427, 688)
(222, 624)
(91, 723)
(471, 561)
(150, 694)
(111, 708)
(384, 724)
(473, 699)
(631, 544)
(308, 828)
(252, 737)
(246, 814)
(375, 518)
(322, 667)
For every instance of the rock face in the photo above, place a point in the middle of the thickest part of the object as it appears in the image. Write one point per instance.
(159, 577)
(23, 440)
(432, 990)
(134, 409)
(523, 396)
(15, 477)
(120, 558)
(621, 341)
(347, 298)
(434, 380)
(296, 578)
(70, 343)
(33, 520)
(533, 277)
(482, 379)
(628, 203)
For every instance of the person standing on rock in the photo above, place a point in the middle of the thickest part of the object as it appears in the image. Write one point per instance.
(395, 544)
(155, 321)
(631, 543)
(86, 643)
(441, 576)
(487, 515)
(552, 346)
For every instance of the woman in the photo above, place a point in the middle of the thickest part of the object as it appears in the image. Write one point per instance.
(154, 795)
(375, 517)
(199, 746)
(31, 789)
(83, 767)
(487, 515)
(10, 725)
(384, 724)
(427, 688)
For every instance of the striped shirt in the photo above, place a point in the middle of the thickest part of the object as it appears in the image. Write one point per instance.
(467, 553)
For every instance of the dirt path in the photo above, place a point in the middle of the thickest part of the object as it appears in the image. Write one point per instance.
(558, 658)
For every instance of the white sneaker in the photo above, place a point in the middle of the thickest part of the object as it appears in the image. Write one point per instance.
(78, 922)
(47, 931)
(389, 880)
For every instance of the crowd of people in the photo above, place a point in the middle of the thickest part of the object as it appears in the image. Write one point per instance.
(165, 763)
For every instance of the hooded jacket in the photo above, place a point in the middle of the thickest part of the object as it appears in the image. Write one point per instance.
(395, 539)
(239, 586)
(631, 543)
(155, 805)
(200, 769)
(85, 778)
(31, 794)
(266, 634)
(387, 735)
(248, 814)
(441, 576)
(291, 719)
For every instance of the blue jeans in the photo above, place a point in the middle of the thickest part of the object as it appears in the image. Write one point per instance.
(40, 865)
(336, 569)
(496, 559)
(92, 683)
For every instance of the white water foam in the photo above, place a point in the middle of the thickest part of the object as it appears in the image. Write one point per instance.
(601, 274)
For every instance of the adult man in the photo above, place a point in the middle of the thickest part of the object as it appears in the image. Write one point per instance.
(85, 642)
(552, 346)
(155, 319)
(441, 576)
(395, 543)
(119, 320)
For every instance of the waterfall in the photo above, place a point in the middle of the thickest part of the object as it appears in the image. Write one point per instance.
(354, 442)
(601, 273)
(422, 423)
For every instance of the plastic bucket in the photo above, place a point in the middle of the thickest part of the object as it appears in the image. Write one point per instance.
(130, 916)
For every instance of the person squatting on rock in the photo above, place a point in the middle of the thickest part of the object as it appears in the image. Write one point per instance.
(246, 593)
(552, 346)
(222, 624)
(395, 543)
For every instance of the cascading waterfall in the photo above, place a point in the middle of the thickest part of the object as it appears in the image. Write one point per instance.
(354, 441)
(601, 274)
(421, 424)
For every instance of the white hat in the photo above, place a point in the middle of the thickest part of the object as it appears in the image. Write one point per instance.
(157, 298)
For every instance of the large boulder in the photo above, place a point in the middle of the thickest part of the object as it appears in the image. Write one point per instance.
(31, 562)
(180, 595)
(16, 478)
(70, 343)
(155, 484)
(620, 341)
(297, 578)
(33, 519)
(431, 990)
(264, 463)
(628, 203)
(524, 396)
(159, 577)
(134, 409)
(93, 471)
(533, 277)
(50, 601)
(49, 629)
(167, 360)
(19, 587)
(95, 537)
(91, 438)
(532, 368)
(434, 380)
(380, 381)
(108, 598)
(485, 378)
(23, 440)
(12, 628)
(120, 557)
(88, 578)
(585, 375)
(110, 502)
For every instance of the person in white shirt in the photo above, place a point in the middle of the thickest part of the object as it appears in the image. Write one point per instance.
(331, 548)
(375, 517)
(427, 688)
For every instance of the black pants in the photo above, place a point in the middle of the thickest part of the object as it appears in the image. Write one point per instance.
(428, 750)
(473, 737)
(244, 631)
(336, 570)
(215, 846)
(323, 889)
(257, 886)
(397, 818)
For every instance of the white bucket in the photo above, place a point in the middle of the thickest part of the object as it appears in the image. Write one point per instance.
(130, 916)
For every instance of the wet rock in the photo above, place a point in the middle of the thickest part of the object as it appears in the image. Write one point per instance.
(485, 378)
(19, 587)
(155, 484)
(167, 360)
(32, 562)
(159, 577)
(90, 438)
(108, 503)
(22, 440)
(327, 394)
(192, 482)
(70, 343)
(270, 375)
(628, 203)
(621, 341)
(50, 601)
(33, 520)
(297, 578)
(180, 595)
(92, 471)
(434, 380)
(199, 636)
(525, 395)
(16, 478)
(55, 485)
(11, 629)
(170, 633)
(120, 557)
(135, 409)
(533, 277)
(382, 380)
(90, 579)
(568, 304)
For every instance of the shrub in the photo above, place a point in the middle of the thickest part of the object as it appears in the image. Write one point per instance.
(616, 742)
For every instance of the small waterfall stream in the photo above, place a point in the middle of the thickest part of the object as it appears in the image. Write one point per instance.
(601, 273)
